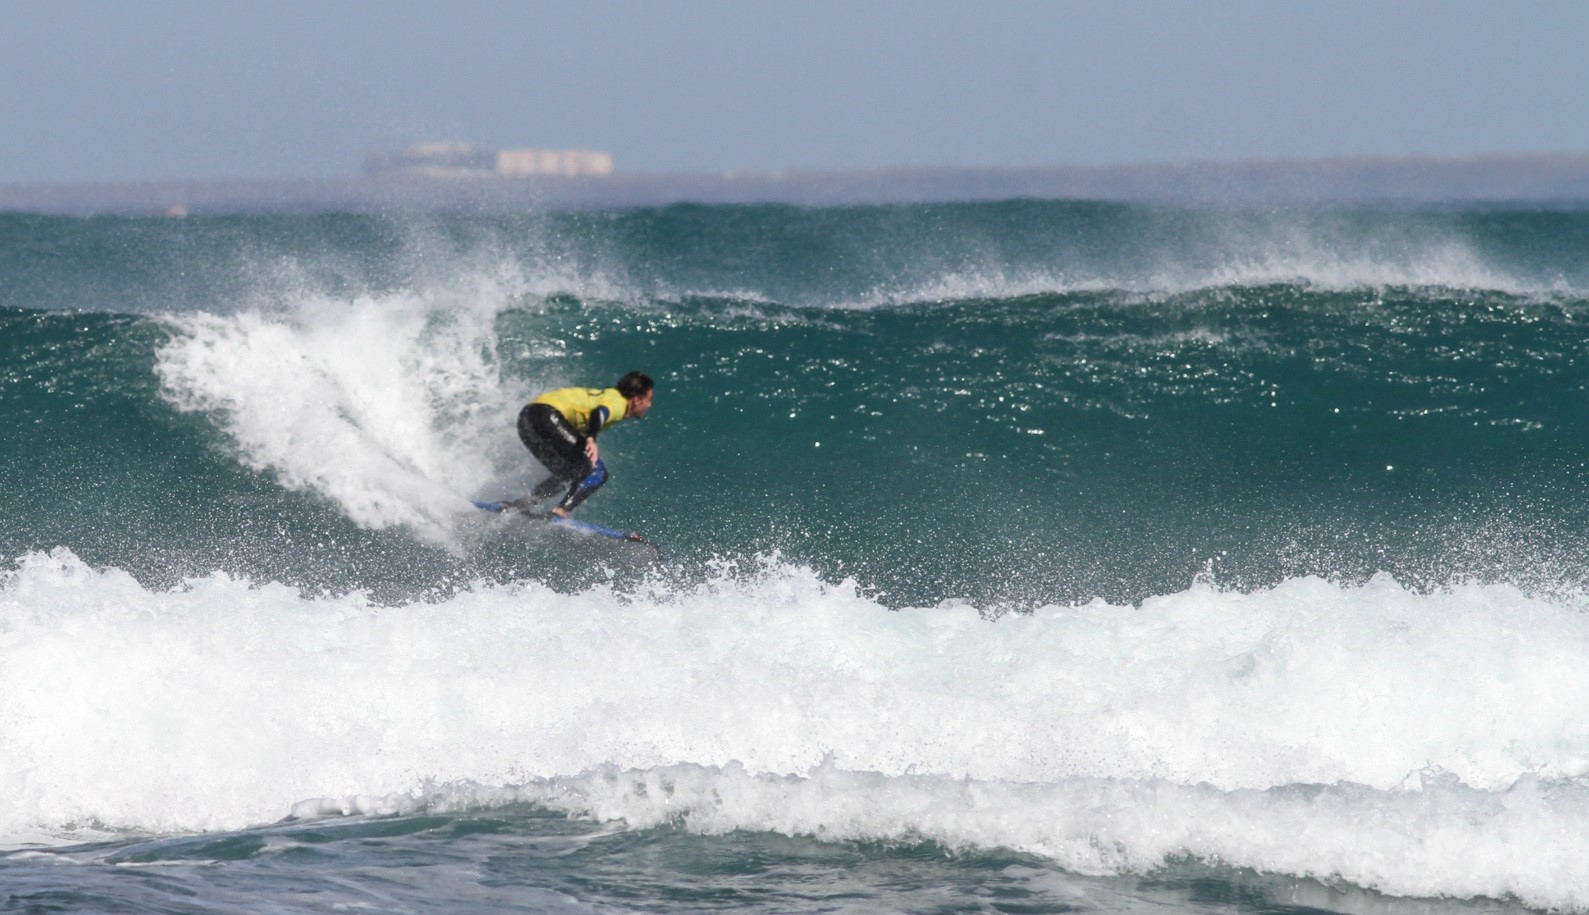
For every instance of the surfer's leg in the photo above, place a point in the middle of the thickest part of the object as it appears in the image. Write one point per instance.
(556, 445)
(584, 487)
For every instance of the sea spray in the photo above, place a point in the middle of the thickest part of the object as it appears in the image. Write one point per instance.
(1022, 539)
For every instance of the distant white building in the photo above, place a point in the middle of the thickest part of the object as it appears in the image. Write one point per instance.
(450, 161)
(517, 163)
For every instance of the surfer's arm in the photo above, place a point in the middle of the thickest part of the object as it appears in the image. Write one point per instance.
(598, 418)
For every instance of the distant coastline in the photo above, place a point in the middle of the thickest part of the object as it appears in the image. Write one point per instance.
(1501, 180)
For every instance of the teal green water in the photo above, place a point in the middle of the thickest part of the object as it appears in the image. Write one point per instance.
(1282, 517)
(528, 860)
(1021, 402)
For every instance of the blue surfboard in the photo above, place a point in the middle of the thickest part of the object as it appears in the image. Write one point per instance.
(572, 524)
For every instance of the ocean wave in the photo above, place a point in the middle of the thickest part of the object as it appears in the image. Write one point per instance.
(1431, 837)
(819, 258)
(1438, 272)
(1278, 729)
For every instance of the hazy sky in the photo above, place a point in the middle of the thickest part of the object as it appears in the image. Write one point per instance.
(154, 89)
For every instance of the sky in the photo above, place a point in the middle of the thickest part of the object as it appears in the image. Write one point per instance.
(117, 90)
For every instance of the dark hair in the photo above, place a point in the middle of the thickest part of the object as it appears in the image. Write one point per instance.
(634, 384)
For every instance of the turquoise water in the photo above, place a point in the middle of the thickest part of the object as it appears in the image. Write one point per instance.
(1018, 557)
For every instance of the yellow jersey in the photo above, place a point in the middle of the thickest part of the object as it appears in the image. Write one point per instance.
(579, 405)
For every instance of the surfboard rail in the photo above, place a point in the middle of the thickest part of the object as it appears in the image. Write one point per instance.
(573, 524)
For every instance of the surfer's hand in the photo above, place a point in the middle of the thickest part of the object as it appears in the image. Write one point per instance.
(590, 450)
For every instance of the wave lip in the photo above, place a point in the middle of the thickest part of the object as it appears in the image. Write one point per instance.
(1442, 271)
(1440, 839)
(1432, 837)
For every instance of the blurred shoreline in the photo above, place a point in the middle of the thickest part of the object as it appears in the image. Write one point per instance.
(1555, 180)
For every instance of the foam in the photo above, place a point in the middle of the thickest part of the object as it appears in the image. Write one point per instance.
(1303, 261)
(1416, 743)
(390, 405)
(1315, 257)
(1441, 840)
(997, 283)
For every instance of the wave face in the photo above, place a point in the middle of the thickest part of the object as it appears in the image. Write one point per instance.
(1117, 539)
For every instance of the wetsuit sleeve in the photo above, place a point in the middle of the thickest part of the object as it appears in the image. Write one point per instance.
(598, 418)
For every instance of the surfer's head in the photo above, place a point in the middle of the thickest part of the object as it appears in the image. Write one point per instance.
(637, 388)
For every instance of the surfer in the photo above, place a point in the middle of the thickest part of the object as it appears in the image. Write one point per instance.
(560, 429)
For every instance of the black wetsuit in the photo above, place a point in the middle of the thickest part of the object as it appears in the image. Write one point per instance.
(561, 448)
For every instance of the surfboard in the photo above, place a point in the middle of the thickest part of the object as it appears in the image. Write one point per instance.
(568, 524)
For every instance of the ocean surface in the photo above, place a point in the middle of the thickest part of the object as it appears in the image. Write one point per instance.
(1019, 557)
